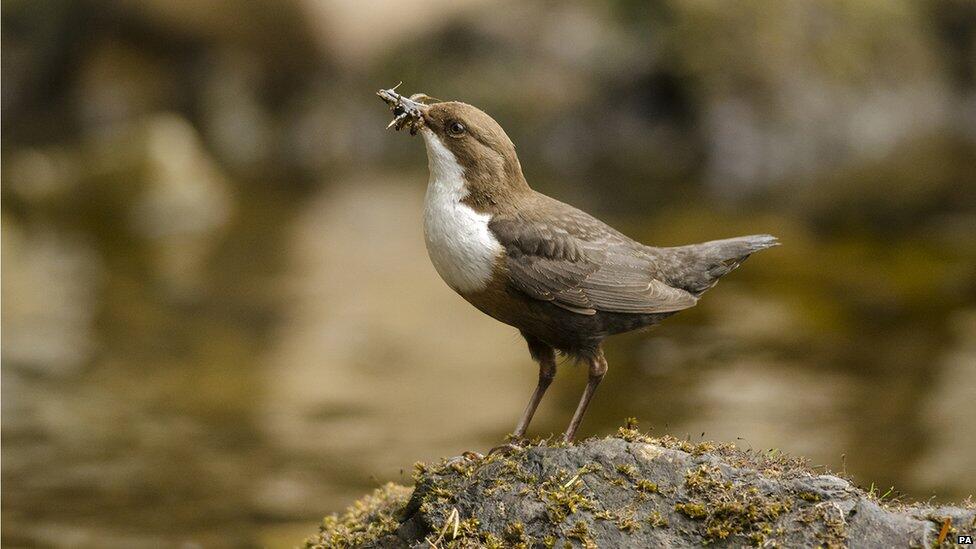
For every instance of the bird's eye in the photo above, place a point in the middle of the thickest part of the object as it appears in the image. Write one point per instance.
(455, 128)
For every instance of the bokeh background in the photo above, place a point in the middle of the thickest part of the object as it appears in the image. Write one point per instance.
(220, 323)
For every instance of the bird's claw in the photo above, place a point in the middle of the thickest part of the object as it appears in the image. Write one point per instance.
(509, 448)
(466, 456)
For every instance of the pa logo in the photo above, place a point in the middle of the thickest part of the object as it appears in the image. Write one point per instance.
(964, 540)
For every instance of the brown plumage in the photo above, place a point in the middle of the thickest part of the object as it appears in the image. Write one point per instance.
(565, 279)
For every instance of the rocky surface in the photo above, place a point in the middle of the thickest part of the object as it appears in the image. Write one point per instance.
(633, 490)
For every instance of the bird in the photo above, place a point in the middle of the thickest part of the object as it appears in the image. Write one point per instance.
(563, 278)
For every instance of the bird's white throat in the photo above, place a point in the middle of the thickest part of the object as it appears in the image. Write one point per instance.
(459, 243)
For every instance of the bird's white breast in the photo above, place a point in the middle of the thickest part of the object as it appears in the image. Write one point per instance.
(459, 243)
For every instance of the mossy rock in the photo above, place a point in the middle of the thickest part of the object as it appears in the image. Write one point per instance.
(632, 490)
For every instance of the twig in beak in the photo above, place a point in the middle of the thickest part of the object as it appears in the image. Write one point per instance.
(406, 111)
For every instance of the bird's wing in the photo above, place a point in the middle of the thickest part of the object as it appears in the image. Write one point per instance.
(547, 262)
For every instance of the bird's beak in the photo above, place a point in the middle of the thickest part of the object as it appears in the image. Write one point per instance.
(408, 112)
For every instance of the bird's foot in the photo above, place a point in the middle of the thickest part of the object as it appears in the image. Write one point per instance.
(515, 444)
(466, 456)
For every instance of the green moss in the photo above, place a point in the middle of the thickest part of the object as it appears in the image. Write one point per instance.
(581, 532)
(590, 468)
(627, 522)
(366, 520)
(564, 497)
(691, 510)
(809, 497)
(419, 470)
(499, 485)
(628, 471)
(624, 519)
(657, 520)
(515, 536)
(727, 511)
(704, 478)
(491, 541)
(631, 433)
(646, 486)
(641, 484)
(468, 527)
(513, 469)
(442, 494)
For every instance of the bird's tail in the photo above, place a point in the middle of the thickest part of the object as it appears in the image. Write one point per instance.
(703, 264)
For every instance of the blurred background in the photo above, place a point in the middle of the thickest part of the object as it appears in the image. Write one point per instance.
(220, 323)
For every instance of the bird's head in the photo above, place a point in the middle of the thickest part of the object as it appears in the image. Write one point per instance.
(463, 135)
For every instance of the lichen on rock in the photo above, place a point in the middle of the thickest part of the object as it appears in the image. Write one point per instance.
(630, 490)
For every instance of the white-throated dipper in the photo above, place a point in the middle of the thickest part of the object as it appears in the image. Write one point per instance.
(565, 279)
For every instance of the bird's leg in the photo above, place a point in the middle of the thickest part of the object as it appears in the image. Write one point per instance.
(547, 371)
(546, 357)
(598, 368)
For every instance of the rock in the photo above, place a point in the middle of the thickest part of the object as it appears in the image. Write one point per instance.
(632, 490)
